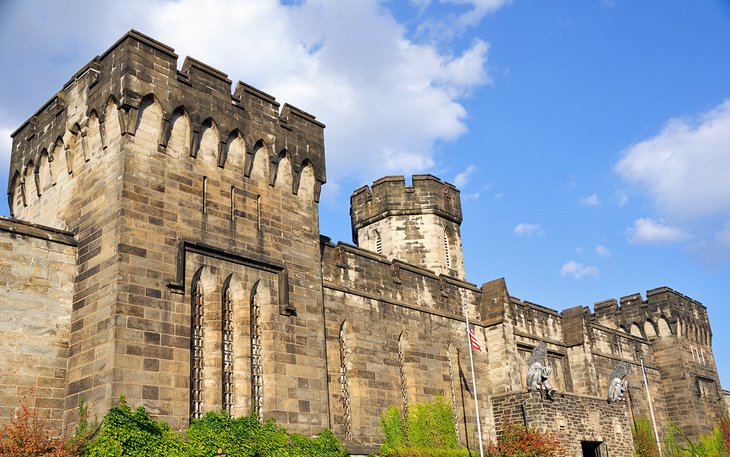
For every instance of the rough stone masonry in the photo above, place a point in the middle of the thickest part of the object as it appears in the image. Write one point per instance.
(164, 245)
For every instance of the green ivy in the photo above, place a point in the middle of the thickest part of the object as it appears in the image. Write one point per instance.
(125, 432)
(428, 430)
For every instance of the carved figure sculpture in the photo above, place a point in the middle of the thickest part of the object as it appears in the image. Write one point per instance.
(618, 384)
(539, 372)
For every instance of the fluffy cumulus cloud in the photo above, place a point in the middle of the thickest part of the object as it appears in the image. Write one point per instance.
(684, 170)
(685, 167)
(529, 230)
(386, 96)
(649, 231)
(578, 270)
(602, 251)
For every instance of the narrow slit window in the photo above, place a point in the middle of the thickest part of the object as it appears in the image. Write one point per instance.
(378, 243)
(258, 212)
(233, 203)
(447, 249)
(205, 194)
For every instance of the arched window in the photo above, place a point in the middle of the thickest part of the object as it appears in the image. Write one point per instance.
(196, 385)
(403, 381)
(452, 387)
(345, 383)
(256, 372)
(227, 347)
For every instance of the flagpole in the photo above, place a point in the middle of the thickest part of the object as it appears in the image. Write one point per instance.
(474, 383)
(651, 408)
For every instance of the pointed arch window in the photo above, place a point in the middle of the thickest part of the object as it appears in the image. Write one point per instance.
(452, 387)
(345, 383)
(227, 347)
(256, 372)
(403, 381)
(196, 385)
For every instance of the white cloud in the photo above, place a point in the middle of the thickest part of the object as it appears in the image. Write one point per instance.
(6, 144)
(685, 167)
(648, 231)
(387, 98)
(462, 178)
(591, 200)
(602, 251)
(470, 197)
(578, 270)
(524, 229)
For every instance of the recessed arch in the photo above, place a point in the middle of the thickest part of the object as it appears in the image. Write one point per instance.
(43, 169)
(235, 152)
(209, 145)
(282, 172)
(180, 137)
(111, 126)
(15, 193)
(635, 330)
(29, 183)
(150, 120)
(259, 171)
(649, 329)
(307, 181)
(663, 327)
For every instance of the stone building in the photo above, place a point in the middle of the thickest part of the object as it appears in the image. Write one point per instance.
(164, 245)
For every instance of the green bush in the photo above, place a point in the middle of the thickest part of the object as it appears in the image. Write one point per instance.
(428, 430)
(676, 443)
(644, 440)
(130, 433)
(134, 433)
(516, 442)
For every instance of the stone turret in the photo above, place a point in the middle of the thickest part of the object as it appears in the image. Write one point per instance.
(418, 224)
(678, 329)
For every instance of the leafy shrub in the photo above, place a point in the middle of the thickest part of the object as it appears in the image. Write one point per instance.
(27, 435)
(516, 442)
(134, 433)
(709, 445)
(428, 430)
(644, 439)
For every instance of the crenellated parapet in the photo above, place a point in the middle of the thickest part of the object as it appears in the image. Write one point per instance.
(138, 71)
(389, 196)
(664, 312)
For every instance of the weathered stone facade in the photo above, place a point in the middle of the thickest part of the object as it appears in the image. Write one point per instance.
(172, 229)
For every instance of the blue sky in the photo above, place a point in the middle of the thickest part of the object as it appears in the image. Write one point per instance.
(590, 139)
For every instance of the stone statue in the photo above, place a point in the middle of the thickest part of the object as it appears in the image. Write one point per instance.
(618, 384)
(539, 372)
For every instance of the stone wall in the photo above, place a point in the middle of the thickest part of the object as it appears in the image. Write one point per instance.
(37, 267)
(396, 335)
(571, 418)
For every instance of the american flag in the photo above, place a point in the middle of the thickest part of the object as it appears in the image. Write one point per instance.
(473, 339)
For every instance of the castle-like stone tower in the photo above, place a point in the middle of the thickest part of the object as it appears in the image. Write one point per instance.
(418, 224)
(165, 246)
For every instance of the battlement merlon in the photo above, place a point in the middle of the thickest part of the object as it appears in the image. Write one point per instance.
(389, 196)
(137, 66)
